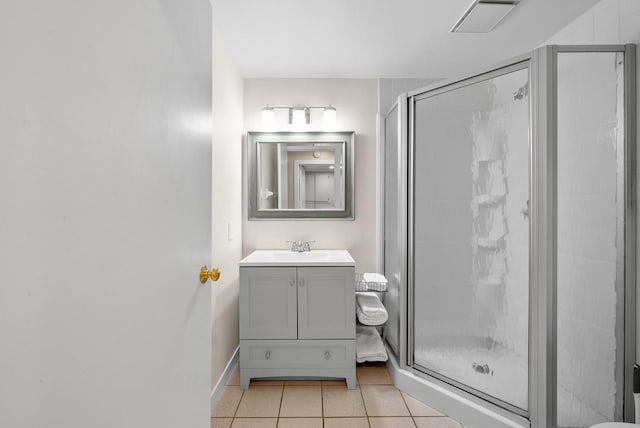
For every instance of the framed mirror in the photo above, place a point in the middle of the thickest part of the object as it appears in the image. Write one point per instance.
(300, 175)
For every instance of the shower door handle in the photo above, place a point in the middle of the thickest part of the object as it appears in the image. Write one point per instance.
(525, 211)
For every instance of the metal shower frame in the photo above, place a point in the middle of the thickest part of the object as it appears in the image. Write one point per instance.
(542, 66)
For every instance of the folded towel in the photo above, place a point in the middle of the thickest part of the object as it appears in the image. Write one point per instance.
(370, 309)
(374, 277)
(369, 346)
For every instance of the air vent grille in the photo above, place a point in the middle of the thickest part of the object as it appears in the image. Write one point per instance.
(483, 16)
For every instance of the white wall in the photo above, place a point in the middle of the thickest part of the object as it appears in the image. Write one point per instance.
(609, 21)
(227, 206)
(356, 102)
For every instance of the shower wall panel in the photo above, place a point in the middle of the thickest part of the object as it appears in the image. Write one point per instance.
(590, 150)
(393, 253)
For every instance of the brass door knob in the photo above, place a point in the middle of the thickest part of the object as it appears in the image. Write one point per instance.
(205, 274)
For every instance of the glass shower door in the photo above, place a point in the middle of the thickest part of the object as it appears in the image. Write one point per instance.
(469, 259)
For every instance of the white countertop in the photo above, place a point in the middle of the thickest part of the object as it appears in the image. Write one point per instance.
(291, 258)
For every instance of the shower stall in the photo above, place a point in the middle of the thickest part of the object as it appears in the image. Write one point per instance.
(509, 240)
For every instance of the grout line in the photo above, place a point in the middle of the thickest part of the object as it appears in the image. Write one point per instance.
(235, 412)
(322, 402)
(366, 412)
(406, 405)
(281, 402)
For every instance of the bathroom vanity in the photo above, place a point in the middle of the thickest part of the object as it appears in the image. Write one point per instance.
(297, 315)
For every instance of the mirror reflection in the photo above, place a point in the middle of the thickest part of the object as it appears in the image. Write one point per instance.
(300, 175)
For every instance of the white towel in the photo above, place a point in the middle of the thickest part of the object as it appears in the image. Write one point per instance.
(370, 309)
(369, 346)
(374, 277)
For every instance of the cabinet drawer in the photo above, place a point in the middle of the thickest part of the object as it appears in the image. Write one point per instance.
(297, 353)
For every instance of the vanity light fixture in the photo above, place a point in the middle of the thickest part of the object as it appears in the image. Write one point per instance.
(299, 115)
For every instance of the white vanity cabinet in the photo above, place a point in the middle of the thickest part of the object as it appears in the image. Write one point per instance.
(297, 315)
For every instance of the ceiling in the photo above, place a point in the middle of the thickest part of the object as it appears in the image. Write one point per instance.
(376, 38)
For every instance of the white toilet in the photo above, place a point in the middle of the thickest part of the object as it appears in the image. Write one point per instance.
(615, 425)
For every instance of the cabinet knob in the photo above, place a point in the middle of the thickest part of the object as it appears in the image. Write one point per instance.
(292, 282)
(301, 282)
(327, 355)
(267, 355)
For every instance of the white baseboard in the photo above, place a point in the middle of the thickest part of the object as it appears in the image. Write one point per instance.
(473, 413)
(216, 392)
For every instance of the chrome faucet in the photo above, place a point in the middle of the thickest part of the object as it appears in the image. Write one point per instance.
(299, 246)
(307, 245)
(296, 246)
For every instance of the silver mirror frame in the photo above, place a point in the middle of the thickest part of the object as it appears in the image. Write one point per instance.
(346, 137)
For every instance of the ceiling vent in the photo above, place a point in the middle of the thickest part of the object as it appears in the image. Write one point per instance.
(483, 15)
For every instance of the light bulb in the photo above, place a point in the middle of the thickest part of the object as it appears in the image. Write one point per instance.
(268, 116)
(330, 117)
(298, 116)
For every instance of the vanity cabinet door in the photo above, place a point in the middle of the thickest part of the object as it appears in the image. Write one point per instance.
(326, 303)
(268, 303)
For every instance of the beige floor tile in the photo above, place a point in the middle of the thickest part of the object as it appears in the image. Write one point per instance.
(254, 423)
(373, 375)
(387, 422)
(346, 423)
(301, 401)
(338, 401)
(265, 382)
(300, 423)
(436, 422)
(418, 408)
(303, 382)
(228, 402)
(383, 400)
(234, 379)
(261, 402)
(221, 422)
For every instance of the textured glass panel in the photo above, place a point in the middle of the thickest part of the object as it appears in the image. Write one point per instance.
(392, 250)
(590, 138)
(471, 250)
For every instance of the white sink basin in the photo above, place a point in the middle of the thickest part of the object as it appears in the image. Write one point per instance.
(291, 258)
(306, 255)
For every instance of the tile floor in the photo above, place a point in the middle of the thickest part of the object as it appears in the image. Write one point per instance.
(375, 403)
